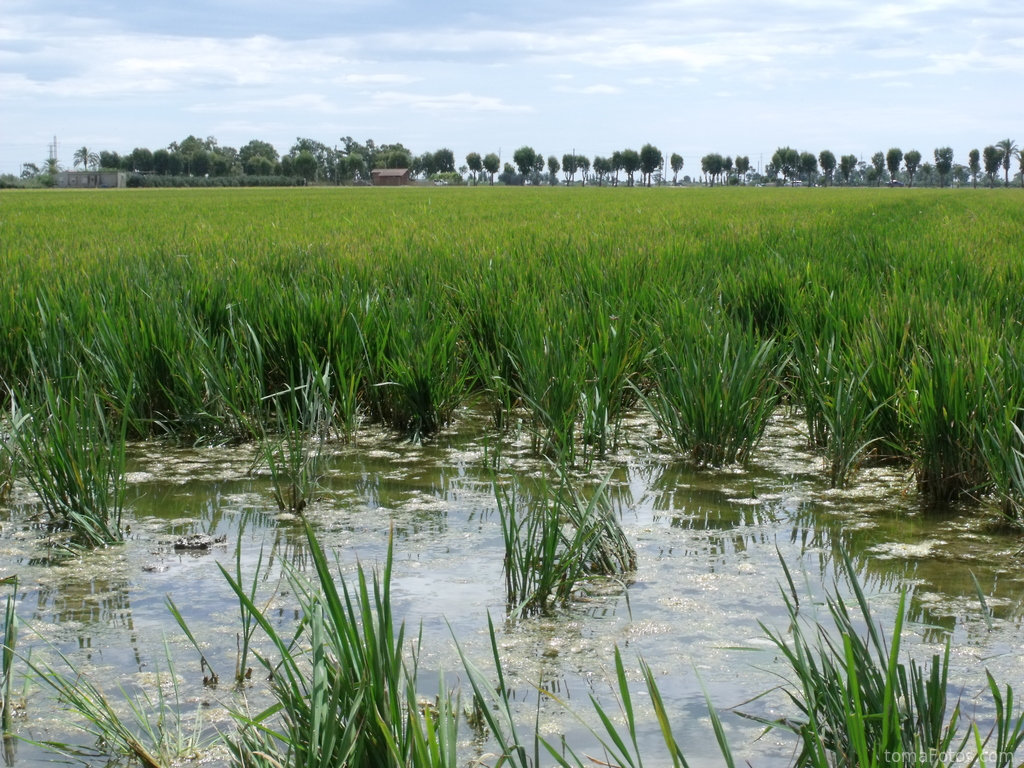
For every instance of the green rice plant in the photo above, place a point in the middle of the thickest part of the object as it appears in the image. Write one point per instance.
(73, 456)
(1008, 728)
(551, 374)
(345, 689)
(485, 300)
(715, 387)
(945, 401)
(555, 542)
(888, 342)
(295, 456)
(1000, 437)
(613, 355)
(838, 406)
(7, 656)
(423, 376)
(492, 705)
(859, 704)
(7, 466)
(152, 728)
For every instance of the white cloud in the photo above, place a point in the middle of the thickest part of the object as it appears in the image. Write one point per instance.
(454, 102)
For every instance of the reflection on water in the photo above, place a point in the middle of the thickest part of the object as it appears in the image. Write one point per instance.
(708, 544)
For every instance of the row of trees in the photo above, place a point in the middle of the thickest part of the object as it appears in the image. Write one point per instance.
(354, 161)
(530, 167)
(893, 167)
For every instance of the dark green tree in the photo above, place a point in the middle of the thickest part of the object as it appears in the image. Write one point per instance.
(743, 167)
(616, 160)
(808, 166)
(444, 161)
(553, 168)
(893, 158)
(602, 168)
(828, 165)
(676, 163)
(912, 161)
(110, 160)
(712, 165)
(974, 164)
(305, 165)
(86, 158)
(524, 158)
(878, 164)
(943, 163)
(491, 164)
(583, 163)
(630, 164)
(786, 161)
(257, 148)
(475, 163)
(993, 160)
(651, 160)
(161, 161)
(847, 165)
(1009, 149)
(569, 167)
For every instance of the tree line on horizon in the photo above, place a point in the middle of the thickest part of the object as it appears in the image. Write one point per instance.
(311, 161)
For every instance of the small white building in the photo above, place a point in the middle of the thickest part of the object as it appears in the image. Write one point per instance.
(92, 179)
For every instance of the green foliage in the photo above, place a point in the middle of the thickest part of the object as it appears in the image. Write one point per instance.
(181, 313)
(860, 705)
(72, 451)
(555, 540)
(716, 386)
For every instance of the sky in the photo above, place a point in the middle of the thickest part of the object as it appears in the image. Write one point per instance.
(738, 77)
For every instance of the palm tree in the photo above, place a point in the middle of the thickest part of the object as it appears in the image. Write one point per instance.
(1009, 150)
(51, 166)
(86, 159)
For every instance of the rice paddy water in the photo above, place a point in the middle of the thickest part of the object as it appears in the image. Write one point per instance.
(612, 448)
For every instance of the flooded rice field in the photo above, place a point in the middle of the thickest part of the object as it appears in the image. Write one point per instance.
(708, 545)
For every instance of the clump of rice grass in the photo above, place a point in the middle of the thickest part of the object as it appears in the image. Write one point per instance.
(294, 454)
(613, 355)
(715, 388)
(551, 374)
(152, 727)
(7, 467)
(945, 401)
(72, 452)
(1001, 436)
(418, 364)
(344, 682)
(837, 405)
(555, 542)
(216, 391)
(7, 657)
(860, 705)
